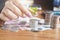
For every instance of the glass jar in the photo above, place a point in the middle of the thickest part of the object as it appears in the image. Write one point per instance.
(48, 16)
(55, 20)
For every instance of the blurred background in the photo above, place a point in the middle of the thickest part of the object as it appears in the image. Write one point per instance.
(45, 4)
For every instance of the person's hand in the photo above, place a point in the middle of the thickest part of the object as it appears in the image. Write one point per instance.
(13, 9)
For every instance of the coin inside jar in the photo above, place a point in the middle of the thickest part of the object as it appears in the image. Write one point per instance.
(54, 21)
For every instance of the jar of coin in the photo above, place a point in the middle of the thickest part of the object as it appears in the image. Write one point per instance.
(48, 16)
(55, 21)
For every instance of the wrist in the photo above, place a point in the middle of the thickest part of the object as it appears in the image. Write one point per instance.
(1, 23)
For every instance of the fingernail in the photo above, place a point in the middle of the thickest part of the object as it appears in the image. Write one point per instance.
(29, 15)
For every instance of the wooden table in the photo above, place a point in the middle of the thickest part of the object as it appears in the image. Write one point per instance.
(28, 35)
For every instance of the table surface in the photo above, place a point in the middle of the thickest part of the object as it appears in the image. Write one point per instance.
(53, 34)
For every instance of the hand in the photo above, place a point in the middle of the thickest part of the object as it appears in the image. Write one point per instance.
(13, 9)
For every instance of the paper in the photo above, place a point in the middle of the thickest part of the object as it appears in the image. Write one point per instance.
(20, 24)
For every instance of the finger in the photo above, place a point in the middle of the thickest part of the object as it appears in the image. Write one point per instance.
(3, 17)
(23, 8)
(23, 15)
(13, 8)
(9, 14)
